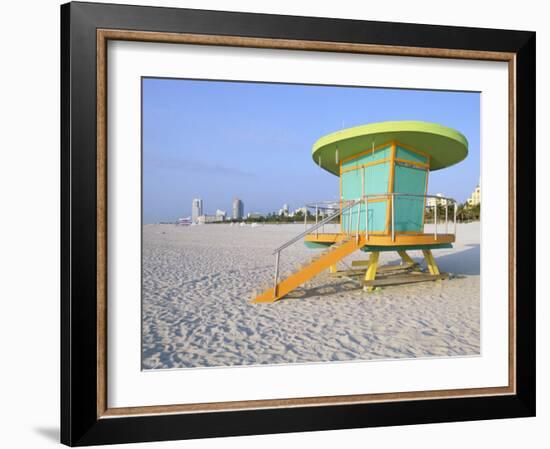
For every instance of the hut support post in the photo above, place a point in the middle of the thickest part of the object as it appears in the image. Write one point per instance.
(405, 257)
(370, 275)
(430, 262)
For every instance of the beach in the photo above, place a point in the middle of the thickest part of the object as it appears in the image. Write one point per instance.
(198, 282)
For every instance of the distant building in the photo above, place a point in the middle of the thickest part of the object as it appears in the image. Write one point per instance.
(255, 215)
(184, 221)
(475, 198)
(430, 202)
(203, 219)
(284, 210)
(238, 209)
(196, 209)
(220, 215)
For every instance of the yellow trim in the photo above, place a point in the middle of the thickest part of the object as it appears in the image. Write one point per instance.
(416, 164)
(414, 150)
(358, 167)
(378, 200)
(373, 200)
(380, 239)
(370, 150)
(333, 269)
(381, 233)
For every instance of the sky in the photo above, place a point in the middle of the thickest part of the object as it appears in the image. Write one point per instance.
(217, 140)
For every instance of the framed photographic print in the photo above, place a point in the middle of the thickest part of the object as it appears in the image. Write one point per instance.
(277, 224)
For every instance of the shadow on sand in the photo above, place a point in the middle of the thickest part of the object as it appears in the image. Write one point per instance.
(324, 290)
(465, 262)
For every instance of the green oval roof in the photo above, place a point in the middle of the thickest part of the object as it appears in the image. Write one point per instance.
(446, 146)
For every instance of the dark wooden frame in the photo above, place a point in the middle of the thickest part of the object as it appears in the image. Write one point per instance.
(85, 419)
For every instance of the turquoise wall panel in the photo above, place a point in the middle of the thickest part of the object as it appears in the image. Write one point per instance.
(352, 184)
(409, 211)
(409, 180)
(376, 219)
(377, 178)
(376, 182)
(403, 153)
(368, 157)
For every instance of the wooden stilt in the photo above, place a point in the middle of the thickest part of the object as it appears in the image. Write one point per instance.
(410, 278)
(430, 262)
(370, 275)
(405, 257)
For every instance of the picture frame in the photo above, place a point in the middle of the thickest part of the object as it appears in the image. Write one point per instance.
(86, 28)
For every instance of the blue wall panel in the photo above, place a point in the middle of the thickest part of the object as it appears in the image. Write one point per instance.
(377, 217)
(409, 211)
(403, 153)
(382, 153)
(376, 182)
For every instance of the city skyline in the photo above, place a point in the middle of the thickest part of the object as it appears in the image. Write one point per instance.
(198, 210)
(219, 140)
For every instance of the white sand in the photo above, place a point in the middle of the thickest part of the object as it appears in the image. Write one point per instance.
(198, 281)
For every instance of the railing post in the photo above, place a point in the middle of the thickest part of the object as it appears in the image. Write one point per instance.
(366, 217)
(392, 219)
(350, 205)
(316, 219)
(455, 222)
(276, 274)
(358, 223)
(435, 220)
(446, 216)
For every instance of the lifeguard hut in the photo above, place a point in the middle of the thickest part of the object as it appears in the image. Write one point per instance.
(383, 170)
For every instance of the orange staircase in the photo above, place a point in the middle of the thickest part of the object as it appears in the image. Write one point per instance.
(316, 265)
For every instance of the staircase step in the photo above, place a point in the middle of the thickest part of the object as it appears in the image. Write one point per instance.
(310, 269)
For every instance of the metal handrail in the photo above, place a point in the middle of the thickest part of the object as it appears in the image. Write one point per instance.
(332, 205)
(316, 226)
(325, 204)
(389, 197)
(277, 252)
